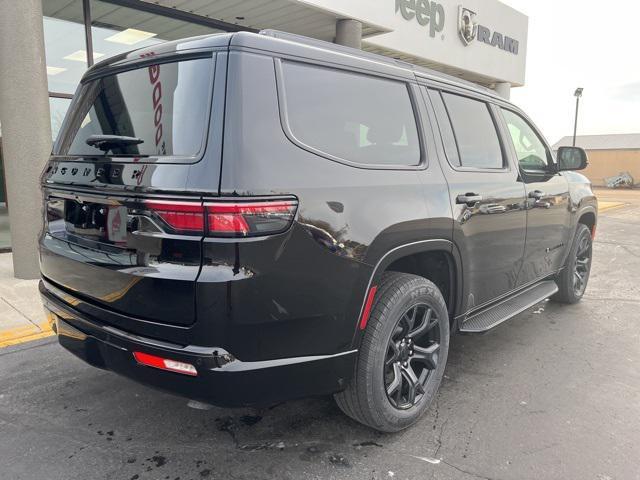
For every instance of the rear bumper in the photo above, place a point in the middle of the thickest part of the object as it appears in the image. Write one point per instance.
(222, 379)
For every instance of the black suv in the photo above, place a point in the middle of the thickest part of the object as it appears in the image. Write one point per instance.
(247, 218)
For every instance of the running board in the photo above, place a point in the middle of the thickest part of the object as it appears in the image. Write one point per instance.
(510, 307)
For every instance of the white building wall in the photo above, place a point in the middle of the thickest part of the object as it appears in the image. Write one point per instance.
(443, 48)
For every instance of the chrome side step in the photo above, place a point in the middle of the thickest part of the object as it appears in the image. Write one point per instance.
(510, 307)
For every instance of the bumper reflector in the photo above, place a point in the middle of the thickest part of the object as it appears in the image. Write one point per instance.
(165, 364)
(367, 307)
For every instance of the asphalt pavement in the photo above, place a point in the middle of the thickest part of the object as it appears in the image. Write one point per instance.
(552, 394)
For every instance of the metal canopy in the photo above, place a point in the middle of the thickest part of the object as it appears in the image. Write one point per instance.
(286, 15)
(176, 19)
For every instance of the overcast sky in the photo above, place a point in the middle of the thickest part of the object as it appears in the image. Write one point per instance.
(589, 44)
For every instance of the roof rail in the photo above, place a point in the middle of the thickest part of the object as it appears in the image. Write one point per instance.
(453, 80)
(314, 42)
(417, 70)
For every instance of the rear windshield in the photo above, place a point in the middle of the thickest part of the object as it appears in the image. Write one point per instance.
(165, 106)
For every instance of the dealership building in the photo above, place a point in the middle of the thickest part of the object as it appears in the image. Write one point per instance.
(46, 46)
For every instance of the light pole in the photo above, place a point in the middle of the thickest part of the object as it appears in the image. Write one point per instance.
(577, 94)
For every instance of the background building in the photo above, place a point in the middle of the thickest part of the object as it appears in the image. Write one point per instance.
(609, 155)
(484, 41)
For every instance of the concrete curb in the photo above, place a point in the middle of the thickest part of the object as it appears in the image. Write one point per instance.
(22, 318)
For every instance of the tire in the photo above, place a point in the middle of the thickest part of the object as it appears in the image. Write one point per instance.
(383, 359)
(572, 281)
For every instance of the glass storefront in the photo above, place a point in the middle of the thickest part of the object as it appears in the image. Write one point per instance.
(65, 51)
(76, 31)
(117, 29)
(58, 109)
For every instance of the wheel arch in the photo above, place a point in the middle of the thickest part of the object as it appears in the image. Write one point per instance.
(588, 217)
(416, 253)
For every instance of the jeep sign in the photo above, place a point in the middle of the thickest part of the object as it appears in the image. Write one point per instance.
(480, 40)
(424, 11)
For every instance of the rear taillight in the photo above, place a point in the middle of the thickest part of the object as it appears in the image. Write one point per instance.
(180, 216)
(165, 364)
(226, 219)
(245, 219)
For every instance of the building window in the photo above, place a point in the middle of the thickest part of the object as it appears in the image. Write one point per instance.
(117, 29)
(58, 108)
(65, 47)
(114, 30)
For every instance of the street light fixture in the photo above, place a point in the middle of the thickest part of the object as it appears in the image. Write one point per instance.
(577, 94)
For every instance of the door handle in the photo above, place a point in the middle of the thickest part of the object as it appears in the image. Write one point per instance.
(537, 194)
(469, 198)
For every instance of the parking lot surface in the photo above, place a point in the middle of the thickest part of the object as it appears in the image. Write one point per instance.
(552, 394)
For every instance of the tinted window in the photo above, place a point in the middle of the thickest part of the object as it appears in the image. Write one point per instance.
(446, 132)
(530, 150)
(164, 105)
(475, 132)
(354, 117)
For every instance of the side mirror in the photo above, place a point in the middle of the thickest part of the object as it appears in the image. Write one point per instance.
(572, 158)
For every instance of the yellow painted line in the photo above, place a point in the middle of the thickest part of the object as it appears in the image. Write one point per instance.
(28, 338)
(17, 335)
(602, 206)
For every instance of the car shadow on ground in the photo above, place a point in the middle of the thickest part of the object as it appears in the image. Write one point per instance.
(95, 421)
(147, 432)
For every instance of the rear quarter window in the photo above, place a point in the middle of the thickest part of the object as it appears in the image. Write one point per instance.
(349, 116)
(165, 105)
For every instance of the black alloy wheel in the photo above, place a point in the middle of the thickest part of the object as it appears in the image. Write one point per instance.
(572, 280)
(412, 356)
(582, 265)
(402, 354)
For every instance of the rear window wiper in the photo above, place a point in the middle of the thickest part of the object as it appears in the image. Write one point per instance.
(107, 142)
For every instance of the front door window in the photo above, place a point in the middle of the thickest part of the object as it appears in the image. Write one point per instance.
(530, 150)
